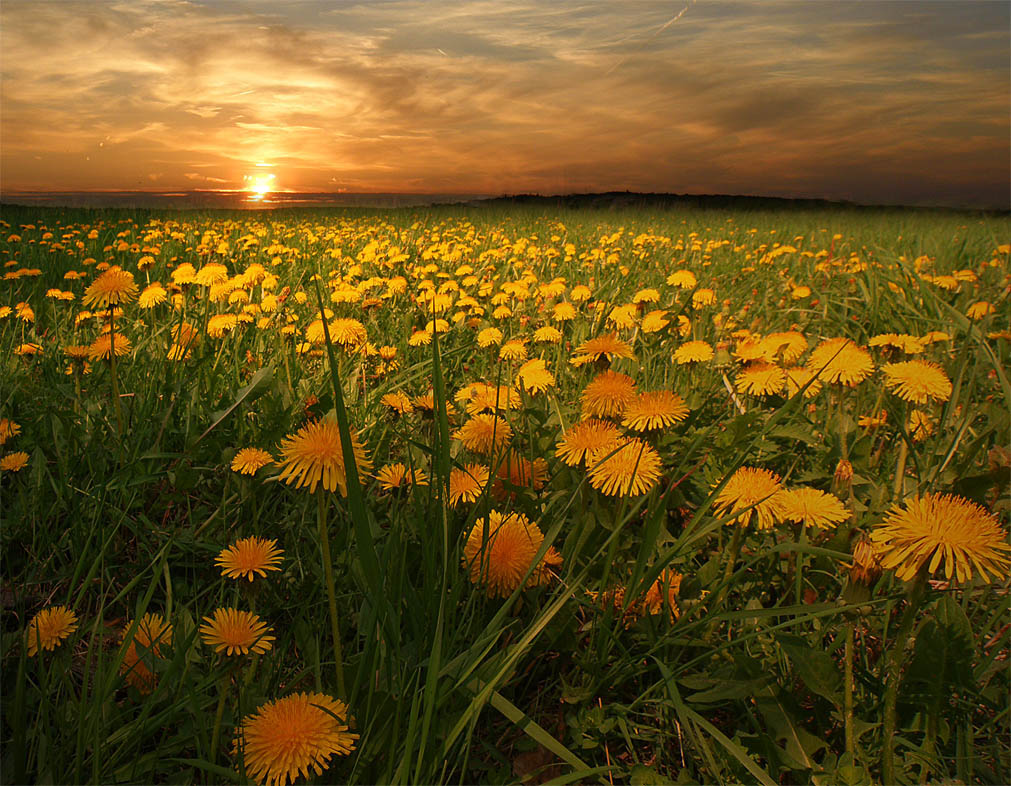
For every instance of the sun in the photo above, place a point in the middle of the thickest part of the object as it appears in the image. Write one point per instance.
(259, 185)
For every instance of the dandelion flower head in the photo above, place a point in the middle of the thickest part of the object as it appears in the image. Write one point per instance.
(627, 468)
(654, 410)
(608, 394)
(501, 561)
(315, 453)
(49, 628)
(948, 531)
(751, 491)
(249, 557)
(236, 632)
(248, 460)
(918, 381)
(294, 735)
(152, 634)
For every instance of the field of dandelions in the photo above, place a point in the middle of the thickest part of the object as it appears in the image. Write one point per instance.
(505, 495)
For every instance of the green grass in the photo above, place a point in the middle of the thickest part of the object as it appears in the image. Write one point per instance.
(445, 684)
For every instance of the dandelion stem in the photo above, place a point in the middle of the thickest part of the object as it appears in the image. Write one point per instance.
(900, 471)
(112, 372)
(324, 543)
(848, 692)
(218, 713)
(728, 570)
(893, 674)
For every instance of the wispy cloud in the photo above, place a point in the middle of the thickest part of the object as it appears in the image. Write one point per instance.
(870, 101)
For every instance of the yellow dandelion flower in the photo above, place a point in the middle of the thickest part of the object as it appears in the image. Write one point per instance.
(348, 333)
(584, 438)
(980, 310)
(484, 433)
(693, 352)
(103, 346)
(315, 453)
(655, 321)
(152, 295)
(248, 460)
(654, 410)
(547, 335)
(467, 482)
(751, 491)
(683, 279)
(398, 401)
(397, 476)
(489, 337)
(812, 508)
(934, 336)
(220, 324)
(797, 378)
(534, 376)
(518, 471)
(646, 296)
(751, 348)
(760, 379)
(608, 394)
(295, 735)
(500, 559)
(114, 286)
(788, 345)
(918, 381)
(840, 360)
(703, 297)
(210, 274)
(152, 635)
(662, 595)
(910, 345)
(420, 338)
(608, 347)
(8, 429)
(236, 632)
(563, 312)
(623, 317)
(627, 468)
(514, 349)
(49, 628)
(249, 557)
(481, 397)
(14, 462)
(946, 530)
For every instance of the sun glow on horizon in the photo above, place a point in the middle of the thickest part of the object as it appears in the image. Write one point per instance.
(259, 186)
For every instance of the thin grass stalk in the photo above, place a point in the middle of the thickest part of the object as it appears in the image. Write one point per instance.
(893, 675)
(324, 545)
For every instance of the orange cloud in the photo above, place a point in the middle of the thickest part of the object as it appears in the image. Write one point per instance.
(873, 102)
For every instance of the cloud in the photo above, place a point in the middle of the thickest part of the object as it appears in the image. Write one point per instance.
(829, 99)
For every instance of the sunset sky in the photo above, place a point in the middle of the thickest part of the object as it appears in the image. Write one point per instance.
(877, 102)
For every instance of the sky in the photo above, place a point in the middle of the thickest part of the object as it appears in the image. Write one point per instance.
(872, 101)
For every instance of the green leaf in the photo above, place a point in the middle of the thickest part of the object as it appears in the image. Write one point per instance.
(800, 744)
(258, 384)
(942, 658)
(641, 775)
(814, 666)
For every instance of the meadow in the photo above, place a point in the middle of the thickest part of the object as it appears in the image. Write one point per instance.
(505, 494)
